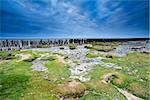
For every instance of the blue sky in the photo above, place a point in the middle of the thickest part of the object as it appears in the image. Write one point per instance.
(74, 18)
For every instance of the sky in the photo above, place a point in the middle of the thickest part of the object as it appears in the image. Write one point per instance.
(74, 18)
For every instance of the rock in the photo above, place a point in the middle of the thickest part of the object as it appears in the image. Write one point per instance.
(71, 89)
(68, 98)
(107, 78)
(45, 77)
(81, 78)
(136, 46)
(38, 65)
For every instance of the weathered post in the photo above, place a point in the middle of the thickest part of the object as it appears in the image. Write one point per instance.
(20, 43)
(29, 43)
(73, 41)
(68, 41)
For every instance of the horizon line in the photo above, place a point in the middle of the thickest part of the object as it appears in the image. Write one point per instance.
(4, 38)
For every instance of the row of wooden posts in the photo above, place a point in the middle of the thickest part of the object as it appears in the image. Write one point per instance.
(21, 44)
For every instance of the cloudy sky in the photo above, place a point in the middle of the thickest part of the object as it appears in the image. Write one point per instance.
(74, 18)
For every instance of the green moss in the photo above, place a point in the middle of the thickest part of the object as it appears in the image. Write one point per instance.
(14, 79)
(58, 53)
(58, 71)
(135, 65)
(6, 55)
(51, 58)
(88, 46)
(25, 51)
(72, 47)
(13, 66)
(38, 87)
(139, 89)
(92, 55)
(92, 95)
(103, 48)
(33, 57)
(18, 81)
(99, 90)
(105, 43)
(41, 52)
(61, 54)
(13, 84)
(122, 81)
(97, 72)
(103, 95)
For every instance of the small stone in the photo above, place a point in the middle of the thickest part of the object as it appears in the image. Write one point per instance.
(45, 77)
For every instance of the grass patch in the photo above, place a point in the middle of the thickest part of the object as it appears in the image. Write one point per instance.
(47, 88)
(92, 55)
(105, 43)
(48, 58)
(33, 57)
(121, 80)
(61, 54)
(58, 71)
(40, 88)
(14, 79)
(92, 95)
(6, 55)
(72, 47)
(88, 46)
(25, 51)
(139, 89)
(136, 65)
(16, 67)
(51, 58)
(76, 62)
(18, 81)
(58, 53)
(97, 72)
(103, 48)
(99, 89)
(13, 85)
